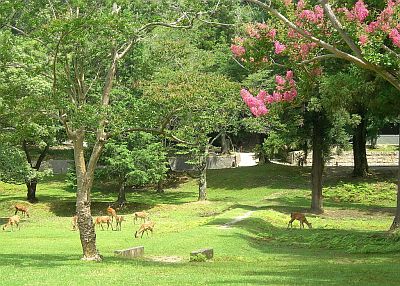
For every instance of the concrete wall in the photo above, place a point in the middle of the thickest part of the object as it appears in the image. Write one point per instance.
(178, 163)
(374, 158)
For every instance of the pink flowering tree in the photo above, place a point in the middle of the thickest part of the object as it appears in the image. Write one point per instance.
(309, 34)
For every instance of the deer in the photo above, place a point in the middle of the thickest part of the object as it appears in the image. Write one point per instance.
(75, 222)
(119, 219)
(23, 209)
(14, 220)
(145, 228)
(104, 219)
(111, 212)
(300, 217)
(142, 215)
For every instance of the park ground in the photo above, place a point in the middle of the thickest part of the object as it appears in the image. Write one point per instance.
(348, 245)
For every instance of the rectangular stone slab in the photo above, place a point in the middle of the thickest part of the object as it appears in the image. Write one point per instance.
(207, 252)
(130, 252)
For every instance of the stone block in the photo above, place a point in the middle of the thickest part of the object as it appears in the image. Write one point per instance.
(130, 252)
(207, 252)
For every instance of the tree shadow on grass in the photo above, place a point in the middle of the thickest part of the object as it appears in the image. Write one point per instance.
(299, 204)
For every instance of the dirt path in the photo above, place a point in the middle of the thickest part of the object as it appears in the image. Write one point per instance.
(237, 219)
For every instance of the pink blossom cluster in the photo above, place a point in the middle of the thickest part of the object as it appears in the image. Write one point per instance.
(316, 16)
(285, 91)
(359, 12)
(238, 50)
(385, 22)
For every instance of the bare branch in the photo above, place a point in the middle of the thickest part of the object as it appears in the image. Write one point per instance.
(318, 58)
(338, 26)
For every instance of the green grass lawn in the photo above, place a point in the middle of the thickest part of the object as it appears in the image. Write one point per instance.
(348, 244)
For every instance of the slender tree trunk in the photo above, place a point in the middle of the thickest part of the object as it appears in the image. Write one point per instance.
(121, 194)
(83, 201)
(31, 193)
(224, 144)
(32, 183)
(317, 167)
(160, 189)
(203, 176)
(396, 221)
(360, 149)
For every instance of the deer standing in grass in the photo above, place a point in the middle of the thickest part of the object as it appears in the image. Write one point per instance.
(300, 217)
(111, 212)
(23, 209)
(103, 219)
(75, 222)
(14, 220)
(119, 219)
(142, 215)
(145, 228)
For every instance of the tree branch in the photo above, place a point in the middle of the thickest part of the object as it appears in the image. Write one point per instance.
(41, 157)
(28, 156)
(318, 58)
(321, 43)
(338, 26)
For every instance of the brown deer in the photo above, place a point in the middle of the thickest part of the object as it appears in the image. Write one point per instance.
(103, 219)
(111, 212)
(119, 219)
(23, 209)
(14, 220)
(145, 228)
(142, 215)
(300, 217)
(75, 222)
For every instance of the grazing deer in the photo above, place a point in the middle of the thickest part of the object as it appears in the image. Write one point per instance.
(142, 215)
(103, 219)
(75, 222)
(300, 217)
(145, 228)
(111, 212)
(14, 220)
(23, 209)
(119, 219)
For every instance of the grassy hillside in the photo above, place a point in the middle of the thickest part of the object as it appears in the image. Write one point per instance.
(348, 244)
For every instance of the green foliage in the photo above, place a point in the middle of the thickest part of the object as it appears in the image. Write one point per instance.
(137, 159)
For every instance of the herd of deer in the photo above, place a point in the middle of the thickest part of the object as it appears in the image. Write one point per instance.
(112, 214)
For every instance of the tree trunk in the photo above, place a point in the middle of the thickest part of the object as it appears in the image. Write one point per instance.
(31, 193)
(32, 183)
(317, 168)
(160, 189)
(84, 184)
(396, 221)
(203, 176)
(360, 149)
(121, 195)
(224, 144)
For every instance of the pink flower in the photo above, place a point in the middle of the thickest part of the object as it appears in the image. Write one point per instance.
(280, 80)
(272, 33)
(394, 35)
(269, 99)
(287, 2)
(319, 13)
(238, 51)
(262, 26)
(371, 27)
(289, 75)
(360, 10)
(252, 31)
(277, 96)
(300, 5)
(363, 40)
(262, 94)
(291, 33)
(279, 48)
